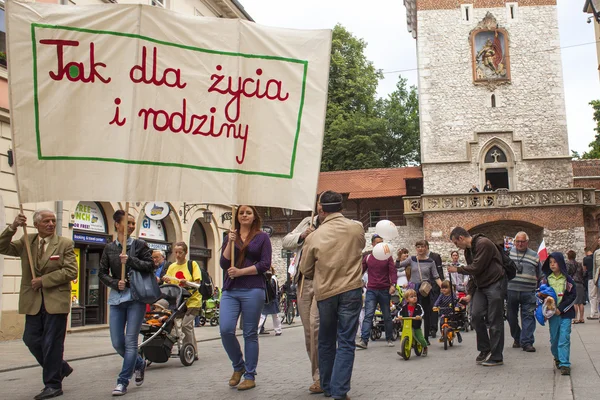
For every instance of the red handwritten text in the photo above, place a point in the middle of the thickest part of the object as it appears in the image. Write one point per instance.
(195, 124)
(115, 119)
(74, 71)
(247, 87)
(175, 74)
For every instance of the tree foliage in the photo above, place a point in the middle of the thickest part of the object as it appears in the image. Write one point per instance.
(362, 131)
(595, 145)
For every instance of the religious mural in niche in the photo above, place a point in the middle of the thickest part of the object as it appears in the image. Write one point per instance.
(491, 62)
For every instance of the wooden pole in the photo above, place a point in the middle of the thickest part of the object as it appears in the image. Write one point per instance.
(232, 245)
(124, 244)
(28, 246)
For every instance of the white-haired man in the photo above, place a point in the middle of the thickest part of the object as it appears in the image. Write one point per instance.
(45, 297)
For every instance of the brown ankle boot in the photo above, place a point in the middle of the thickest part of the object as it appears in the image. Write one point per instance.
(247, 384)
(236, 377)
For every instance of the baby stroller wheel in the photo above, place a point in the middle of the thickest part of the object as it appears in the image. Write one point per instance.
(202, 321)
(187, 354)
(373, 333)
(394, 334)
(459, 337)
(405, 348)
(214, 321)
(378, 334)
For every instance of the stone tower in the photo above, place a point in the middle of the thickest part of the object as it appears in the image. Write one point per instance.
(492, 108)
(491, 94)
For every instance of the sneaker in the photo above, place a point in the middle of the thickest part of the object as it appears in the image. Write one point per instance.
(390, 343)
(428, 344)
(516, 345)
(278, 334)
(361, 344)
(557, 363)
(424, 353)
(482, 357)
(120, 390)
(441, 340)
(433, 334)
(492, 363)
(529, 348)
(139, 375)
(565, 371)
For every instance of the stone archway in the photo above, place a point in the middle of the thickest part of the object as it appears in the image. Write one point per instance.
(498, 229)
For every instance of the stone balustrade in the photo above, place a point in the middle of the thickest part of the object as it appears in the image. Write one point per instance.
(502, 198)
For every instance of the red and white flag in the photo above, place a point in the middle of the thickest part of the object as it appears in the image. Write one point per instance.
(542, 251)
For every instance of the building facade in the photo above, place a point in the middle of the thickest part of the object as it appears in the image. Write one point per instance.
(492, 110)
(89, 223)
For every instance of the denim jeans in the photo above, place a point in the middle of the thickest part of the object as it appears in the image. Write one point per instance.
(374, 297)
(124, 325)
(560, 339)
(338, 319)
(488, 307)
(248, 303)
(526, 300)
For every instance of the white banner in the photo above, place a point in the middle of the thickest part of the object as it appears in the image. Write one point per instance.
(140, 102)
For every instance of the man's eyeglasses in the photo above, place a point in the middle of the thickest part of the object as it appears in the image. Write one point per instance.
(520, 241)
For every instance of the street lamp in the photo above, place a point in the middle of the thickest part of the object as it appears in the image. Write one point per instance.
(287, 212)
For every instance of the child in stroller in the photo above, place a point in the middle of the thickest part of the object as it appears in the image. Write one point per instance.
(158, 330)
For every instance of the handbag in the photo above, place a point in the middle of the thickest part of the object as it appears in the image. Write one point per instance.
(425, 286)
(270, 291)
(144, 286)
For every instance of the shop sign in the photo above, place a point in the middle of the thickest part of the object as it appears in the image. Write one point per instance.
(75, 282)
(88, 217)
(91, 239)
(152, 230)
(157, 210)
(158, 246)
(268, 230)
(200, 252)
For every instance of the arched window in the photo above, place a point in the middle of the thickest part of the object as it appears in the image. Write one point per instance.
(495, 155)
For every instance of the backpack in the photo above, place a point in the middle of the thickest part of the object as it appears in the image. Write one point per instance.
(206, 285)
(510, 268)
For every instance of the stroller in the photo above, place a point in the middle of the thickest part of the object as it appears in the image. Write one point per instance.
(159, 339)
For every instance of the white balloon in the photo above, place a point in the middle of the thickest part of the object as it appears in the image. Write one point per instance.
(383, 251)
(386, 229)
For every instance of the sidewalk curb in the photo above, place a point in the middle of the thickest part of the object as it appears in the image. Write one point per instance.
(563, 387)
(114, 354)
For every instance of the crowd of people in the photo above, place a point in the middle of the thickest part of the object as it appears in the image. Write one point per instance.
(336, 284)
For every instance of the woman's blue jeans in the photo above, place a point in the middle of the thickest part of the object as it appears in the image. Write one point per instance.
(248, 303)
(124, 325)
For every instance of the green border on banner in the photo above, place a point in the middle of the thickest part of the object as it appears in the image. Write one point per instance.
(162, 42)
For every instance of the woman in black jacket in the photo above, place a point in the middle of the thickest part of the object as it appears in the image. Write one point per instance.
(126, 314)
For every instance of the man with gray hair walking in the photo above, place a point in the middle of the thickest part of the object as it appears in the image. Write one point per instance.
(45, 295)
(521, 293)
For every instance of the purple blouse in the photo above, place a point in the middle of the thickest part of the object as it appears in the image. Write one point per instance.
(258, 254)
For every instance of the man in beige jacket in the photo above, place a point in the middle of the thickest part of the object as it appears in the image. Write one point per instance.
(45, 298)
(307, 304)
(332, 255)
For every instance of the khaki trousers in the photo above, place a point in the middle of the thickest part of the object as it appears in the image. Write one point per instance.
(186, 326)
(309, 314)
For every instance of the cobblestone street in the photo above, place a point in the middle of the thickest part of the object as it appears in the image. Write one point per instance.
(284, 371)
